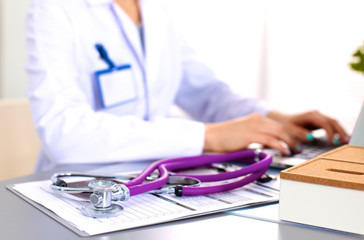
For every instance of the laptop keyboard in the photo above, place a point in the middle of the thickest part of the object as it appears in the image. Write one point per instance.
(312, 150)
(309, 151)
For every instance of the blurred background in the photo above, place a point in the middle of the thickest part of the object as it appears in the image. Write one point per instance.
(292, 54)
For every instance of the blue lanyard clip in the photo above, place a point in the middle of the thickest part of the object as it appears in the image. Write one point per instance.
(104, 55)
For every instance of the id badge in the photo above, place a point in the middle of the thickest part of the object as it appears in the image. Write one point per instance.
(116, 86)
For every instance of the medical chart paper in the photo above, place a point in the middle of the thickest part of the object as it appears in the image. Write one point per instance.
(141, 210)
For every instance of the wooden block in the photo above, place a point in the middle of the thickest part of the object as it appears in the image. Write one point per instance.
(327, 191)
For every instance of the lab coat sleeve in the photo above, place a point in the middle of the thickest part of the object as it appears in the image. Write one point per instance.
(69, 129)
(208, 99)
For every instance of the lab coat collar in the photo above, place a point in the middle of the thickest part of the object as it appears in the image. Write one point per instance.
(131, 33)
(153, 22)
(127, 26)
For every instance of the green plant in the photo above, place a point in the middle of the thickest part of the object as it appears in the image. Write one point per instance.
(358, 64)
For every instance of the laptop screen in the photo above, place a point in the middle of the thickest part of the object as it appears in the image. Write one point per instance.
(357, 138)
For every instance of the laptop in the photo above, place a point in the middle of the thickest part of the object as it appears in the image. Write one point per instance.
(319, 146)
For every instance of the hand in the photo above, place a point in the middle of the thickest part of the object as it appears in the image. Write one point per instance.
(237, 134)
(301, 125)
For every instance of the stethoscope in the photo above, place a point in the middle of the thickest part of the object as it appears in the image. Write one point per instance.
(157, 178)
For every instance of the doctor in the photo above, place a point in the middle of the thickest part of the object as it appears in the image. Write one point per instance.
(103, 75)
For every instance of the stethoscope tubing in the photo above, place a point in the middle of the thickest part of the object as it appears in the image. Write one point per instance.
(196, 191)
(242, 157)
(251, 172)
(136, 185)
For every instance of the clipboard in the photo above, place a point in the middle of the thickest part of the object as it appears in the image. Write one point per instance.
(48, 212)
(251, 188)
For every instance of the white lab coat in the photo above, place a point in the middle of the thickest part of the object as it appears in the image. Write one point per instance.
(61, 35)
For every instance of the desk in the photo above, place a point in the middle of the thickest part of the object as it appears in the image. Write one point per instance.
(20, 220)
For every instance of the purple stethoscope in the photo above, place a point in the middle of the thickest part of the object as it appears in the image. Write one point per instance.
(158, 178)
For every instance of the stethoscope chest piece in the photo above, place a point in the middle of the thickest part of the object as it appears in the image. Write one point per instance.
(101, 200)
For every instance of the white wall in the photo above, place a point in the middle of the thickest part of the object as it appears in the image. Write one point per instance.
(310, 46)
(12, 48)
(292, 53)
